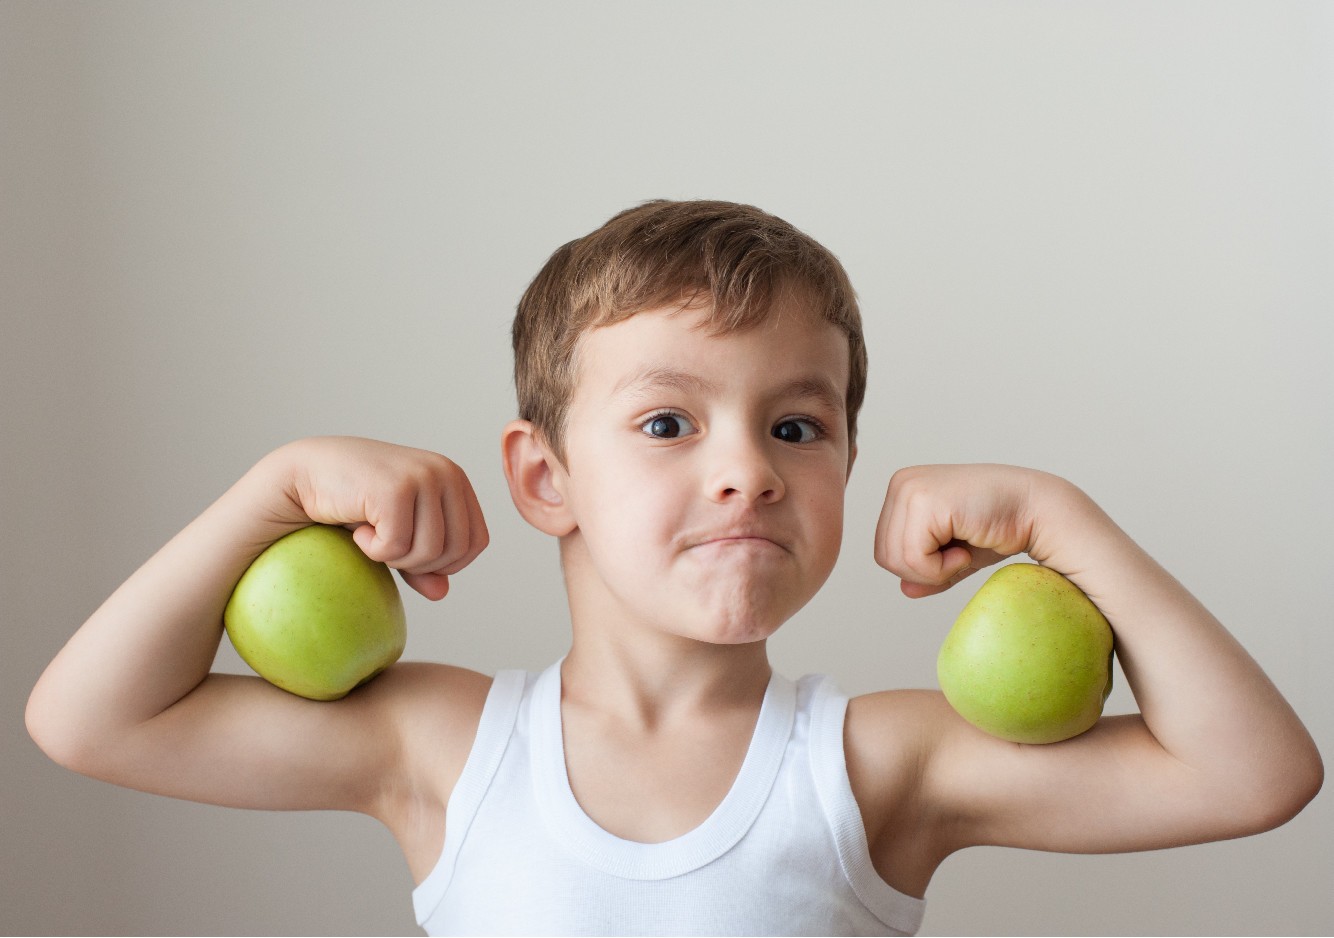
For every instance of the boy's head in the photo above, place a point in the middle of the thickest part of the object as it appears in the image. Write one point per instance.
(735, 260)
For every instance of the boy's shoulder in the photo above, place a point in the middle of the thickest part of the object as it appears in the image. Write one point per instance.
(909, 752)
(889, 739)
(888, 736)
(432, 711)
(443, 696)
(902, 703)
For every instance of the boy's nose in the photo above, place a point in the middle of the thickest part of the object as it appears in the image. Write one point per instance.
(743, 470)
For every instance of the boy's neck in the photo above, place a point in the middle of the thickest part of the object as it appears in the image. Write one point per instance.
(657, 679)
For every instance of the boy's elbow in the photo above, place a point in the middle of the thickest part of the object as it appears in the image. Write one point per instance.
(1308, 782)
(54, 732)
(1284, 795)
(41, 727)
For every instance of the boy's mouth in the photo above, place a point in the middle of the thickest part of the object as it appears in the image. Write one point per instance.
(741, 538)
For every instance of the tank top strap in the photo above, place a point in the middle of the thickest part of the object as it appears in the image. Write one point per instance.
(829, 707)
(494, 730)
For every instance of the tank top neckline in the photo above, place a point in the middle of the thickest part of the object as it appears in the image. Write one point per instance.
(576, 832)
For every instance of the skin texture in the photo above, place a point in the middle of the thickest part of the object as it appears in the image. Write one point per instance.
(719, 532)
(670, 609)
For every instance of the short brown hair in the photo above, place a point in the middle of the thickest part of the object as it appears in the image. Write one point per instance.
(739, 259)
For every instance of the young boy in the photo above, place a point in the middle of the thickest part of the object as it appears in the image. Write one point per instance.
(689, 377)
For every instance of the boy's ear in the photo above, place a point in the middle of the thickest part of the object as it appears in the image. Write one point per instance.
(852, 458)
(536, 478)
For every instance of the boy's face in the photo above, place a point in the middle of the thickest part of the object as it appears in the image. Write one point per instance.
(706, 474)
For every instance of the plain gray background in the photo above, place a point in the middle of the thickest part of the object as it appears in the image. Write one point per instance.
(1094, 238)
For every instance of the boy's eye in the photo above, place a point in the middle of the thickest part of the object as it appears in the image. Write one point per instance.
(667, 426)
(797, 430)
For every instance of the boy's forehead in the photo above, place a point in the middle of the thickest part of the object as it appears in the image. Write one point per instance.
(675, 349)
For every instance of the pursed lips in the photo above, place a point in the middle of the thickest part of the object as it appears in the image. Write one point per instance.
(739, 538)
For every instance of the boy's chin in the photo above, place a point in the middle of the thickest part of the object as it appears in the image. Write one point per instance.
(736, 632)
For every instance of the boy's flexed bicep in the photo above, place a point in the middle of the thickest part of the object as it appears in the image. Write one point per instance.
(929, 784)
(1112, 789)
(240, 742)
(130, 699)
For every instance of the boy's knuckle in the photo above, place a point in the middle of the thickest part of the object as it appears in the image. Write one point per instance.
(906, 483)
(439, 466)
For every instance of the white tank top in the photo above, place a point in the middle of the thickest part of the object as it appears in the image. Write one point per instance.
(784, 853)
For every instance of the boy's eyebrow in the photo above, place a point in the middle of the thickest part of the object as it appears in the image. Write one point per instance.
(662, 378)
(667, 378)
(818, 387)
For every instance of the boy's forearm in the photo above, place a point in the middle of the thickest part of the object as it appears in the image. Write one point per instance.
(1202, 696)
(154, 639)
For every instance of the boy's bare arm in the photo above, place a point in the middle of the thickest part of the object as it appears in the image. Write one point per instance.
(130, 698)
(1215, 752)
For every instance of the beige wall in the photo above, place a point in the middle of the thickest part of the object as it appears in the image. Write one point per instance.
(1094, 238)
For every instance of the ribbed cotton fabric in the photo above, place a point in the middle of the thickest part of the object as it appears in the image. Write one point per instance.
(785, 853)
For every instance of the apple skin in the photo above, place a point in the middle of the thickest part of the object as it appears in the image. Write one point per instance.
(1029, 659)
(316, 616)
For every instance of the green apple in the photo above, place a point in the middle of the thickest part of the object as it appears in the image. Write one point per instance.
(315, 616)
(1029, 659)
